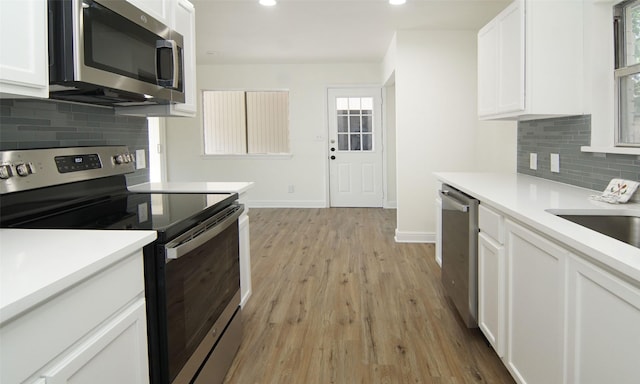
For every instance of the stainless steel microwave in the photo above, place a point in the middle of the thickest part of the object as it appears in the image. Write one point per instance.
(109, 52)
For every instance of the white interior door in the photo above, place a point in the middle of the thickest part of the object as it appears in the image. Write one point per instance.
(355, 147)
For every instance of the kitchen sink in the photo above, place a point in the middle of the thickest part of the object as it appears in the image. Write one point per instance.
(625, 228)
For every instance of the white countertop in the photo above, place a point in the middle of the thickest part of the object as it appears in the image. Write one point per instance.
(193, 187)
(37, 264)
(528, 198)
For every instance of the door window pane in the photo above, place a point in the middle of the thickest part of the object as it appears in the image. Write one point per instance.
(343, 124)
(367, 142)
(367, 122)
(355, 116)
(354, 104)
(342, 105)
(355, 142)
(354, 125)
(343, 142)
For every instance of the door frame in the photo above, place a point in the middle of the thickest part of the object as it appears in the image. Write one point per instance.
(383, 135)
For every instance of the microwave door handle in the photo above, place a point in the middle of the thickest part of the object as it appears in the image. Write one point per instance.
(171, 44)
(180, 247)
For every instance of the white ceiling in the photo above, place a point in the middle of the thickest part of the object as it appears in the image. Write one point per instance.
(312, 31)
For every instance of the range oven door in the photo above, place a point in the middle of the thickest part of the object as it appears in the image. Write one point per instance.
(198, 292)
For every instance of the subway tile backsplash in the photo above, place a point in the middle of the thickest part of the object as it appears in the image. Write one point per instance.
(565, 136)
(32, 123)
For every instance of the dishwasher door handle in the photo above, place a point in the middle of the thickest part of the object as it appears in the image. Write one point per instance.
(455, 203)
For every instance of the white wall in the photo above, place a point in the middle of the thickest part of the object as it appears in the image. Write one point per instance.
(437, 128)
(306, 170)
(497, 146)
(390, 145)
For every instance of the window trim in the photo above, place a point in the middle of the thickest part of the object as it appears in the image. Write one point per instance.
(621, 70)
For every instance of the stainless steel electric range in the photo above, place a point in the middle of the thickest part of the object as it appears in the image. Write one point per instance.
(192, 274)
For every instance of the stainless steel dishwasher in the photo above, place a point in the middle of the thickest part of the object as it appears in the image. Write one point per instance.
(460, 252)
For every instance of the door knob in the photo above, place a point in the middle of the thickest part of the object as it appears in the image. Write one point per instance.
(333, 157)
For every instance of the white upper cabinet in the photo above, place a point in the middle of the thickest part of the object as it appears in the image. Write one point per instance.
(159, 9)
(23, 53)
(530, 61)
(183, 22)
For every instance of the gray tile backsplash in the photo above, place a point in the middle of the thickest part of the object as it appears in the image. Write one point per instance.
(565, 136)
(32, 123)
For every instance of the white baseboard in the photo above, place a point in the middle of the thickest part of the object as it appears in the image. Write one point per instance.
(286, 204)
(415, 237)
(390, 204)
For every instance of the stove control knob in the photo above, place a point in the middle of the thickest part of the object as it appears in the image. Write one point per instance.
(23, 169)
(119, 159)
(5, 172)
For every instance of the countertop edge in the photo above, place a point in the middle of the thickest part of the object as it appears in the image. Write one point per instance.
(193, 187)
(622, 258)
(11, 310)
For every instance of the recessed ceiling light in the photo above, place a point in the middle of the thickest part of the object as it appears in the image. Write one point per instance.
(268, 3)
(397, 2)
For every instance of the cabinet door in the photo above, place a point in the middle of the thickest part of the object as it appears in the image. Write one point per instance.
(159, 9)
(23, 53)
(439, 231)
(245, 258)
(511, 59)
(185, 24)
(488, 69)
(491, 291)
(535, 306)
(115, 353)
(604, 327)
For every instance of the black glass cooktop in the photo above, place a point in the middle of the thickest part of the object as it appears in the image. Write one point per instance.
(73, 207)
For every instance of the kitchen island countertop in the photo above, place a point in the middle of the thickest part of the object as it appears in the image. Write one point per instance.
(37, 264)
(528, 199)
(193, 187)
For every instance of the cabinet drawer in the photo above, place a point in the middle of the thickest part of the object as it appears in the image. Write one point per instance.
(116, 353)
(57, 324)
(491, 223)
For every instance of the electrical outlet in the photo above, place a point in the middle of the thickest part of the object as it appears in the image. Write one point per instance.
(533, 161)
(555, 163)
(291, 188)
(141, 159)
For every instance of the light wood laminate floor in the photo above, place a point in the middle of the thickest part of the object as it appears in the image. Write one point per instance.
(337, 300)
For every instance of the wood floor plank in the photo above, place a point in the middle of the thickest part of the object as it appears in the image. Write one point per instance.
(337, 300)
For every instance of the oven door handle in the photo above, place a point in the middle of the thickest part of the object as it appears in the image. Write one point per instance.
(458, 206)
(202, 233)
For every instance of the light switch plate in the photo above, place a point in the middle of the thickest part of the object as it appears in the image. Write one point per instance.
(533, 161)
(555, 163)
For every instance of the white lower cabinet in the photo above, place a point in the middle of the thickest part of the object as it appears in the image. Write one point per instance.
(439, 231)
(604, 326)
(491, 291)
(245, 258)
(535, 306)
(94, 332)
(114, 354)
